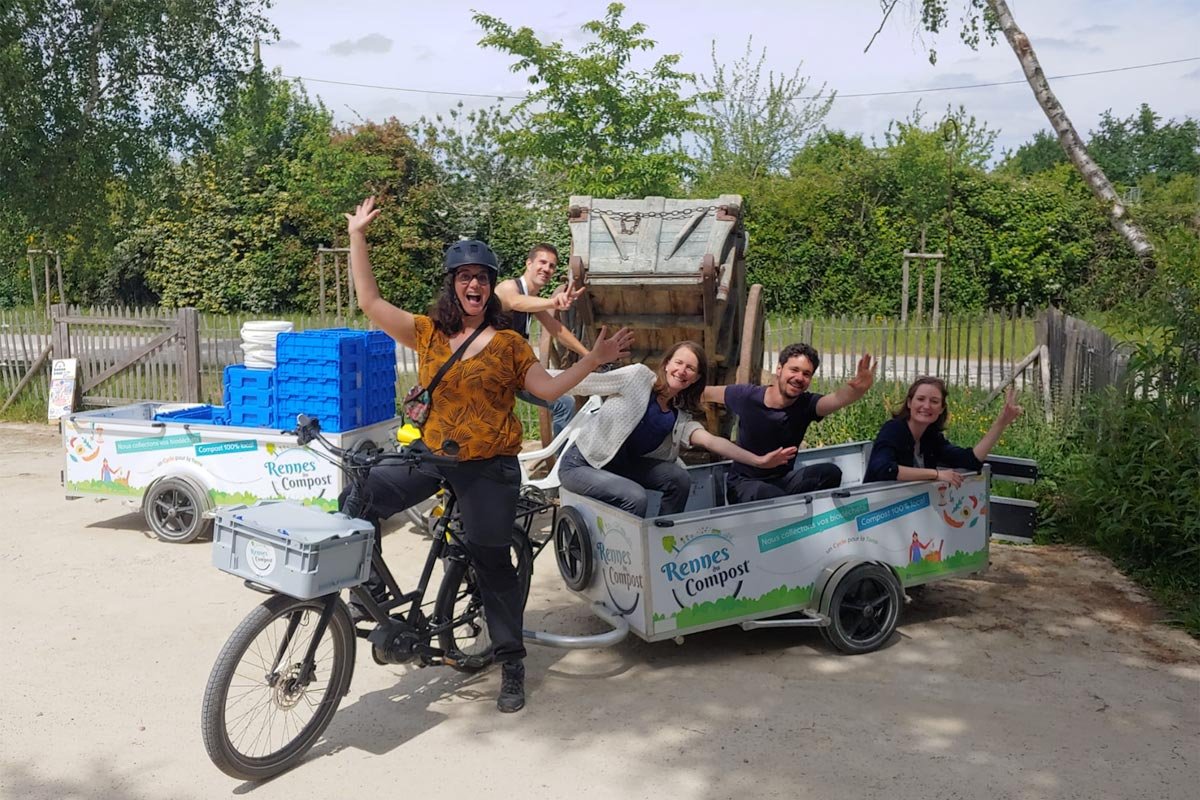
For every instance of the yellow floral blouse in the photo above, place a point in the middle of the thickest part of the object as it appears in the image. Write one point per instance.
(473, 404)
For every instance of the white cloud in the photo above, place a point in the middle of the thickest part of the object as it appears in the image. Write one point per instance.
(371, 43)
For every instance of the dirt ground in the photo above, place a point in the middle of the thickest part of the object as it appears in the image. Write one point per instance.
(1048, 677)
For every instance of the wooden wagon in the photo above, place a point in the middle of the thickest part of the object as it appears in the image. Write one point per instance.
(671, 270)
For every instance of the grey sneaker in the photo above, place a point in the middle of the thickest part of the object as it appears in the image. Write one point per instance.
(512, 687)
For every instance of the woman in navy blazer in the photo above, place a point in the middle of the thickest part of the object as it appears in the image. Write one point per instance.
(911, 446)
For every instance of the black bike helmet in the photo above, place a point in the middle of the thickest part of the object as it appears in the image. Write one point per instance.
(471, 251)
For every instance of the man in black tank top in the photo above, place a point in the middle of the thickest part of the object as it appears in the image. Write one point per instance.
(520, 296)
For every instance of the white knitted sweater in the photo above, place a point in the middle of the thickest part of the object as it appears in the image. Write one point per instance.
(627, 393)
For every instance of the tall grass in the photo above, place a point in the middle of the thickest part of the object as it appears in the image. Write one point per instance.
(1130, 484)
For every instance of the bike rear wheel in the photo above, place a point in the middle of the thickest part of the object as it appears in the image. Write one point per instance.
(459, 599)
(260, 716)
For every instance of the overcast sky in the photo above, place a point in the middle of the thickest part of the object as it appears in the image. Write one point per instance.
(433, 45)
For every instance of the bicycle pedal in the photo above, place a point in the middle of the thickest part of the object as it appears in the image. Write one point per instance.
(464, 661)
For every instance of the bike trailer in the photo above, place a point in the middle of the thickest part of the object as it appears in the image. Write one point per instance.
(291, 548)
(837, 559)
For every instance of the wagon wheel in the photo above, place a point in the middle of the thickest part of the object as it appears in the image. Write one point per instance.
(712, 322)
(750, 359)
(864, 609)
(578, 270)
(174, 509)
(580, 318)
(573, 548)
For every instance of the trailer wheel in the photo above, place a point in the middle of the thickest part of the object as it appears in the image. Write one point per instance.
(864, 609)
(573, 548)
(174, 510)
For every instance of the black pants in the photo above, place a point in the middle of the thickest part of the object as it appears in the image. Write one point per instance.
(812, 478)
(487, 500)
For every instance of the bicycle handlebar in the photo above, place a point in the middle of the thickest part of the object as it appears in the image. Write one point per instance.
(367, 455)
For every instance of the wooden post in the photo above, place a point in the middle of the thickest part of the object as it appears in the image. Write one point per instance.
(920, 311)
(937, 292)
(60, 336)
(189, 340)
(46, 273)
(904, 293)
(62, 294)
(337, 283)
(33, 279)
(321, 282)
(921, 280)
(1047, 400)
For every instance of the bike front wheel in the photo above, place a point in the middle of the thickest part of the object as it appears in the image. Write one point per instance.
(460, 601)
(262, 708)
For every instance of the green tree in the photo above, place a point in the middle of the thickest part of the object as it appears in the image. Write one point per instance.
(986, 18)
(609, 129)
(1041, 153)
(489, 191)
(923, 160)
(97, 92)
(1139, 145)
(752, 127)
(241, 232)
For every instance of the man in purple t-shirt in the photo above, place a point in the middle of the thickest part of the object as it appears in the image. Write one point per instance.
(778, 415)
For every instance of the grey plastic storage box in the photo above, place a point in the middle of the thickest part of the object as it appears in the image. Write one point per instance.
(294, 549)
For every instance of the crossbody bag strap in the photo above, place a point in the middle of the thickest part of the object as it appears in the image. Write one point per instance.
(462, 348)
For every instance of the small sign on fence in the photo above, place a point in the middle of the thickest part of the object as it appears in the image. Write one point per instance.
(63, 385)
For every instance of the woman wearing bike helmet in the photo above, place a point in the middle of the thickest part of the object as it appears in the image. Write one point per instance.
(472, 407)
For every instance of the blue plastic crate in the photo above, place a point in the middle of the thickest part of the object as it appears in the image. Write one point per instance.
(204, 415)
(251, 416)
(248, 387)
(249, 396)
(335, 412)
(337, 364)
(380, 400)
(380, 383)
(320, 346)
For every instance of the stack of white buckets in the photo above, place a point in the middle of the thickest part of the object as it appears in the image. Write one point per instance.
(258, 342)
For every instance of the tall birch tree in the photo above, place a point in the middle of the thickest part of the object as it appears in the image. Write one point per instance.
(986, 18)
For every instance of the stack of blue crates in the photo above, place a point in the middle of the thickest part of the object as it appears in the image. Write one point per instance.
(321, 374)
(342, 377)
(375, 378)
(249, 396)
(381, 377)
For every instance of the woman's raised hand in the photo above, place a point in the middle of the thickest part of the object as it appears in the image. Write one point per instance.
(776, 458)
(610, 348)
(1011, 410)
(362, 216)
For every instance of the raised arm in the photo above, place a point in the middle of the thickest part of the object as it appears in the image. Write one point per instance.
(852, 391)
(713, 394)
(727, 449)
(1007, 414)
(560, 332)
(550, 387)
(396, 322)
(512, 299)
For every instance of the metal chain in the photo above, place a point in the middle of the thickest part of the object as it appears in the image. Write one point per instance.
(636, 217)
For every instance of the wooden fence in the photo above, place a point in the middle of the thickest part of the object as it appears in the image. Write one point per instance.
(978, 350)
(1083, 359)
